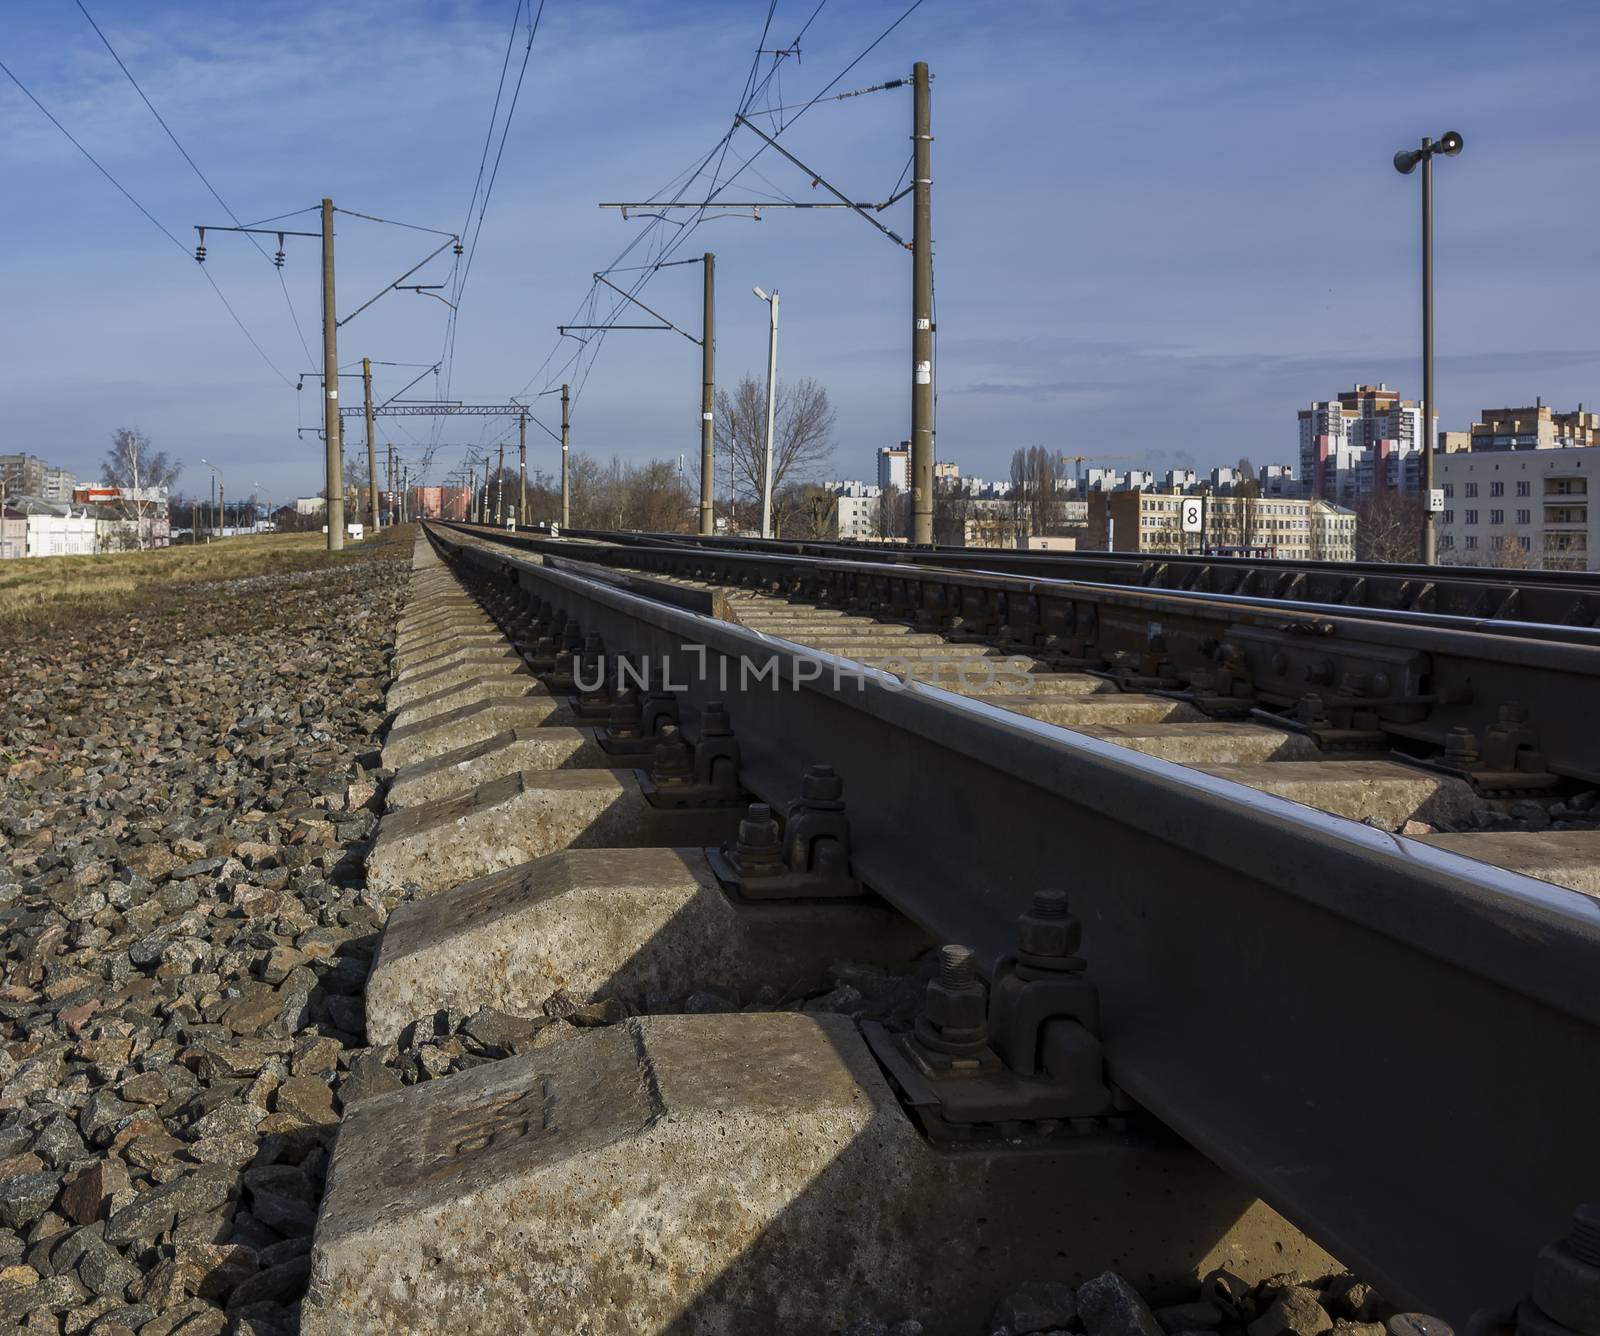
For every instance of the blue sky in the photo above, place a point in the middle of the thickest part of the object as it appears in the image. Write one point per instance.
(1160, 227)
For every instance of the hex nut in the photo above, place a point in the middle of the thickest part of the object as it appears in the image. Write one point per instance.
(956, 1008)
(1567, 1288)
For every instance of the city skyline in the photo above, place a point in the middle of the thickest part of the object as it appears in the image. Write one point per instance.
(1114, 288)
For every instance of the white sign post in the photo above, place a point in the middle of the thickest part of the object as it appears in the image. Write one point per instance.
(1193, 514)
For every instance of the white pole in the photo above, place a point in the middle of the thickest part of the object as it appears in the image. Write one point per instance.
(772, 397)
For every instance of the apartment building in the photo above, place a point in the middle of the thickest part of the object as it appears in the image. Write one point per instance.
(59, 485)
(1520, 507)
(22, 475)
(1367, 439)
(1300, 529)
(1536, 428)
(894, 467)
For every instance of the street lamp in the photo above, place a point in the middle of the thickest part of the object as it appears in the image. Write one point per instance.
(221, 495)
(1405, 162)
(772, 397)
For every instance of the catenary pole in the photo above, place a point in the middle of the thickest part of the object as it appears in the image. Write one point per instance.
(921, 312)
(566, 423)
(708, 389)
(330, 388)
(522, 469)
(1429, 531)
(372, 456)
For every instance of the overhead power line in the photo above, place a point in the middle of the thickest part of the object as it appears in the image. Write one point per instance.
(161, 121)
(156, 222)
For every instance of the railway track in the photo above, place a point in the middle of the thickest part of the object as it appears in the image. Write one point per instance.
(1200, 998)
(1570, 598)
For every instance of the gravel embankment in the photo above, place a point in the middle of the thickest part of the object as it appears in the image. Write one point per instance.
(184, 801)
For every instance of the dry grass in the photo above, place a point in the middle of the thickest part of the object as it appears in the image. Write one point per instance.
(40, 591)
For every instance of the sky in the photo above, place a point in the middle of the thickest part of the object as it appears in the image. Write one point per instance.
(1160, 226)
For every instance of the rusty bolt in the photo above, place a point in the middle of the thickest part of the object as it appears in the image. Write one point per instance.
(625, 717)
(955, 1004)
(1048, 929)
(1460, 745)
(758, 831)
(674, 760)
(592, 644)
(715, 722)
(821, 786)
(1566, 1278)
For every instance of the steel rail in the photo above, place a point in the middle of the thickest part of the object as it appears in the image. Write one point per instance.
(1395, 1046)
(1560, 597)
(1441, 673)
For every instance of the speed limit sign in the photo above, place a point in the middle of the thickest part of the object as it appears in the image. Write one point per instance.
(1193, 514)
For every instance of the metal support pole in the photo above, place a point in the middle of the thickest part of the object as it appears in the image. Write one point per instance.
(772, 408)
(330, 388)
(372, 456)
(708, 377)
(222, 501)
(388, 480)
(1429, 533)
(921, 312)
(522, 469)
(566, 423)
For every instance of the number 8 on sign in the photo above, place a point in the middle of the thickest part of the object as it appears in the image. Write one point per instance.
(1193, 514)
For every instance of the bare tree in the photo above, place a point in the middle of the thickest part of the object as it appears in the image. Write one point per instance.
(951, 510)
(140, 473)
(812, 512)
(1389, 527)
(620, 495)
(1036, 502)
(802, 437)
(886, 520)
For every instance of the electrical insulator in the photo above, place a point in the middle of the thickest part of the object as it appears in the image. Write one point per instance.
(278, 258)
(200, 250)
(458, 245)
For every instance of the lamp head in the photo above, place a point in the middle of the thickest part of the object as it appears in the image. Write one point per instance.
(1406, 160)
(1449, 143)
(761, 294)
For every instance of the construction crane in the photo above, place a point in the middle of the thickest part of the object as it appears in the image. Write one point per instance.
(1078, 461)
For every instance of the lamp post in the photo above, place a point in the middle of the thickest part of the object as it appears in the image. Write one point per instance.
(221, 495)
(1405, 162)
(772, 401)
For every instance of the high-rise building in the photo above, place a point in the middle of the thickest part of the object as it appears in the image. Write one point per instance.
(1368, 439)
(58, 485)
(22, 475)
(894, 466)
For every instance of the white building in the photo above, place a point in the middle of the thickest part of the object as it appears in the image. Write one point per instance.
(1178, 480)
(310, 505)
(58, 530)
(857, 516)
(1277, 480)
(1519, 508)
(894, 467)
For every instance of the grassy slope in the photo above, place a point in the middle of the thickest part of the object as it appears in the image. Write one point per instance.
(39, 592)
